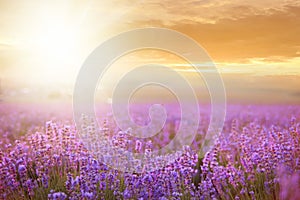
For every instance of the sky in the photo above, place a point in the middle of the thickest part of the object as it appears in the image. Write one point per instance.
(255, 44)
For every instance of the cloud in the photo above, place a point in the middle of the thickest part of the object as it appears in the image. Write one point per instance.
(241, 34)
(4, 46)
(207, 11)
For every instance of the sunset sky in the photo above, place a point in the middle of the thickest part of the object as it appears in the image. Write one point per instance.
(255, 44)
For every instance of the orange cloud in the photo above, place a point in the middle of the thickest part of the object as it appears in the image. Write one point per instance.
(237, 38)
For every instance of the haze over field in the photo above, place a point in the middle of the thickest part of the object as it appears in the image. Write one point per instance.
(255, 45)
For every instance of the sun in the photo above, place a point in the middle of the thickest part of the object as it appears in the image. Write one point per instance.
(54, 48)
(55, 38)
(56, 43)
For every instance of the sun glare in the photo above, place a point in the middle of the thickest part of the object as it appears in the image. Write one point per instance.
(57, 44)
(54, 45)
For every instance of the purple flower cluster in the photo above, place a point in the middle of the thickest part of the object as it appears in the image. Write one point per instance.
(255, 157)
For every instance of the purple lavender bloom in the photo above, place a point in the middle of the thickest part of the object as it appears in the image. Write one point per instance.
(127, 194)
(57, 196)
(21, 169)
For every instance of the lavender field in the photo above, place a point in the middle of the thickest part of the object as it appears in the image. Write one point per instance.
(150, 100)
(257, 156)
